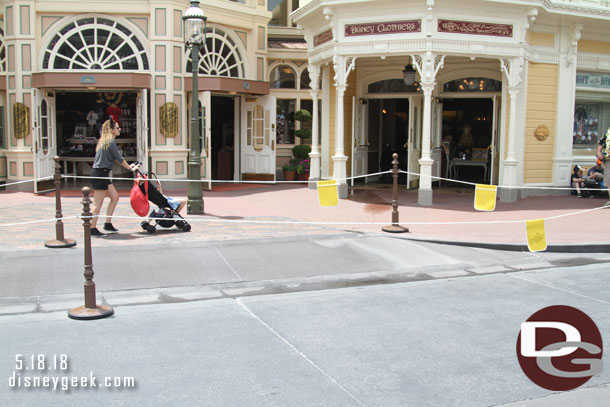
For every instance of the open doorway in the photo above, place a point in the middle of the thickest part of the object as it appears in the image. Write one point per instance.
(223, 137)
(467, 132)
(79, 119)
(388, 132)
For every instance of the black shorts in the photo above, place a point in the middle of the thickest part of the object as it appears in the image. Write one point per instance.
(100, 184)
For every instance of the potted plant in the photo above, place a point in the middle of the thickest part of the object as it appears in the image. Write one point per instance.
(289, 170)
(301, 155)
(303, 170)
(303, 116)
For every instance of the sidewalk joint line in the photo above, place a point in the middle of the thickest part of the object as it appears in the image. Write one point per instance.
(515, 275)
(227, 263)
(249, 311)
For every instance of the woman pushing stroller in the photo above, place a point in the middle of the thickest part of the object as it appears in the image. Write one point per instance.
(106, 153)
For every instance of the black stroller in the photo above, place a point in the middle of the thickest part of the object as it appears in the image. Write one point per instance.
(165, 216)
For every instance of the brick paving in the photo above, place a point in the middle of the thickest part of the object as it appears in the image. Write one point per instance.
(228, 206)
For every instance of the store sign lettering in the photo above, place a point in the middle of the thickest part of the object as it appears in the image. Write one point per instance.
(323, 38)
(469, 27)
(593, 80)
(393, 27)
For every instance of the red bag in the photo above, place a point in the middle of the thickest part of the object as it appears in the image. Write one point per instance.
(139, 199)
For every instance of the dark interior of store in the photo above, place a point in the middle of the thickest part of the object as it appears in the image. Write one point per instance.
(387, 133)
(80, 116)
(222, 137)
(467, 132)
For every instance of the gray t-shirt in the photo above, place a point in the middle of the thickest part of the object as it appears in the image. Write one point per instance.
(105, 158)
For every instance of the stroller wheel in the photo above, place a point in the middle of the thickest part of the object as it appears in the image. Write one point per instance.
(180, 224)
(144, 225)
(151, 229)
(186, 227)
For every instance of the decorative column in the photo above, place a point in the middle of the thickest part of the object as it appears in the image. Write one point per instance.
(512, 69)
(343, 65)
(562, 159)
(314, 156)
(428, 66)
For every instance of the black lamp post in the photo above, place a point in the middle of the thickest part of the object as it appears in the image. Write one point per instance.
(194, 37)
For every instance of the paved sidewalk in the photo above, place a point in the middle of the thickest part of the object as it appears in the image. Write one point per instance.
(446, 342)
(277, 211)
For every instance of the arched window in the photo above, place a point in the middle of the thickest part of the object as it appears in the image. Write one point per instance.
(282, 77)
(392, 86)
(473, 85)
(305, 79)
(219, 57)
(2, 52)
(95, 43)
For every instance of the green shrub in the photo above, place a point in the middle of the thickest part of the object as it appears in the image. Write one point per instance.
(302, 115)
(303, 133)
(301, 151)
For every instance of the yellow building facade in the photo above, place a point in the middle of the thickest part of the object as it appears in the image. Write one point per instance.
(510, 93)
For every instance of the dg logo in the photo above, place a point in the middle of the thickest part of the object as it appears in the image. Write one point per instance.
(560, 348)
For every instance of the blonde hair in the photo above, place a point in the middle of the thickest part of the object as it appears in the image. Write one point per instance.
(107, 135)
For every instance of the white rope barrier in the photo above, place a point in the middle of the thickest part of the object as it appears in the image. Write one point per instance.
(499, 186)
(213, 181)
(291, 222)
(306, 181)
(26, 181)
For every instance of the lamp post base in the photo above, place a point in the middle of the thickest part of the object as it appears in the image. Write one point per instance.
(194, 207)
(59, 244)
(83, 313)
(395, 229)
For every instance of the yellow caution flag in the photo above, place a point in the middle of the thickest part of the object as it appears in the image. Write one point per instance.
(485, 197)
(328, 193)
(536, 238)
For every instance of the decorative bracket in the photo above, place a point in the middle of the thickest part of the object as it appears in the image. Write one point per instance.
(428, 65)
(329, 15)
(343, 65)
(573, 45)
(512, 68)
(314, 76)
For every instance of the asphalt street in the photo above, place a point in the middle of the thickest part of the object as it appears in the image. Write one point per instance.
(435, 342)
(49, 280)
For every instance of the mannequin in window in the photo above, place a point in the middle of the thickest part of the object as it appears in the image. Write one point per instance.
(99, 108)
(92, 118)
(114, 111)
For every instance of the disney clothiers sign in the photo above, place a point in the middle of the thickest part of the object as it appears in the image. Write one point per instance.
(392, 27)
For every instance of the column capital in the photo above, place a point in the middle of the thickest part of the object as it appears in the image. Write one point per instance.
(341, 87)
(428, 87)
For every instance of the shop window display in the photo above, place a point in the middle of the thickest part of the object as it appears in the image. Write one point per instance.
(285, 109)
(586, 125)
(80, 117)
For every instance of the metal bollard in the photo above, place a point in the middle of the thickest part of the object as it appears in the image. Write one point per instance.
(90, 310)
(395, 227)
(59, 241)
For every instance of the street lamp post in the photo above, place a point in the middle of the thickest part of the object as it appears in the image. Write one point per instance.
(194, 32)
